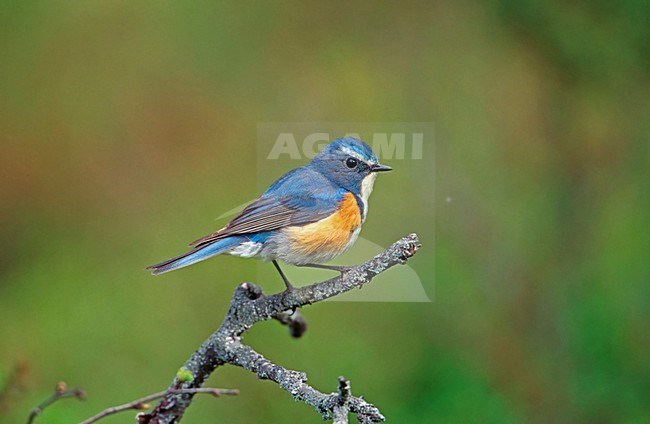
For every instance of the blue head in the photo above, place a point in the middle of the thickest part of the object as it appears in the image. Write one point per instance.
(351, 164)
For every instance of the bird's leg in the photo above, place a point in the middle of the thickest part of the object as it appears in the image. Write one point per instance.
(284, 277)
(341, 269)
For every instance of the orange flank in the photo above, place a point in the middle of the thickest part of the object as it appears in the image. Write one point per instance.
(331, 234)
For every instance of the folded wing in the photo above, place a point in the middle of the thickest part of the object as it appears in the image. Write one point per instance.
(271, 212)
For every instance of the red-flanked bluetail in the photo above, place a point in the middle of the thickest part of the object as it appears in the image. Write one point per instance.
(309, 216)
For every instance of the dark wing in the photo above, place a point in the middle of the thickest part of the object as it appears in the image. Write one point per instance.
(273, 212)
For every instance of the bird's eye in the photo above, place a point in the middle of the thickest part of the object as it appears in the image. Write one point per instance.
(351, 163)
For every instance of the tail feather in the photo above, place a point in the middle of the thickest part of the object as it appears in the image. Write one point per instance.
(195, 255)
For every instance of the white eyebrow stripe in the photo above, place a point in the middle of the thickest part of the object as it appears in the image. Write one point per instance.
(352, 153)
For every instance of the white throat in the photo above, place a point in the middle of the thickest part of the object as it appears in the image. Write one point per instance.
(366, 189)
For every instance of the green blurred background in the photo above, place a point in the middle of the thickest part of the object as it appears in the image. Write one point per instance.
(126, 127)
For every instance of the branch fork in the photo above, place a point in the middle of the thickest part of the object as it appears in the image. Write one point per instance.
(250, 305)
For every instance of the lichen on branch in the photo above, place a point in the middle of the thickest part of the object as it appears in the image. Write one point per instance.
(250, 305)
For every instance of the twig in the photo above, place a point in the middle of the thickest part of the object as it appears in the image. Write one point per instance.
(140, 404)
(60, 391)
(249, 305)
(295, 321)
(341, 409)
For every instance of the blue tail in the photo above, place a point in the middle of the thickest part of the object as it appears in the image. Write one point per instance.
(196, 255)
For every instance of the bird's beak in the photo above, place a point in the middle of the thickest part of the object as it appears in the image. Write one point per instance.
(377, 167)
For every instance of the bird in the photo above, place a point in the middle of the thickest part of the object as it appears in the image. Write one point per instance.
(309, 216)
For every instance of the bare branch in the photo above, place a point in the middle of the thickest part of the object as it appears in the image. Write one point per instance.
(249, 305)
(60, 391)
(140, 404)
(341, 409)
